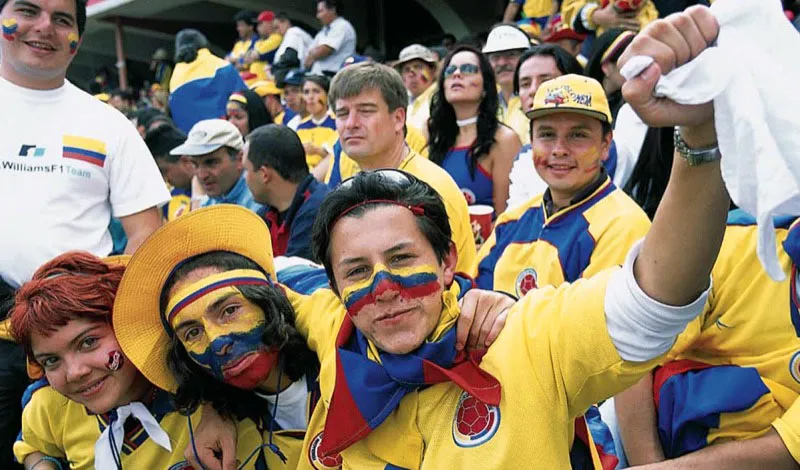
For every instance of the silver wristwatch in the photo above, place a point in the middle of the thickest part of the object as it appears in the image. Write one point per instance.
(692, 156)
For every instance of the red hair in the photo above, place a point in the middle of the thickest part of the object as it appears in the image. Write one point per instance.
(75, 285)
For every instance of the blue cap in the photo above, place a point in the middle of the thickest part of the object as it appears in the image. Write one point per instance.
(294, 77)
(356, 59)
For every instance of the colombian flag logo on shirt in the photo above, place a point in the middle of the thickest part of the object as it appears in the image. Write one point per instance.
(84, 149)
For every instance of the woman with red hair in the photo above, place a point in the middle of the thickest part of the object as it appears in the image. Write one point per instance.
(79, 412)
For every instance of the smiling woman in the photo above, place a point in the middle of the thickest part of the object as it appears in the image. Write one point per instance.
(62, 318)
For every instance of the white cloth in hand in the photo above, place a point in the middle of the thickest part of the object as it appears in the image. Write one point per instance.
(751, 76)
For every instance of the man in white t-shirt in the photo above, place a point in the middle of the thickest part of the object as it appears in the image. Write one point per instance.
(334, 43)
(68, 163)
(295, 39)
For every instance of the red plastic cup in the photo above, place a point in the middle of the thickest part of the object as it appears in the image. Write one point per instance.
(480, 216)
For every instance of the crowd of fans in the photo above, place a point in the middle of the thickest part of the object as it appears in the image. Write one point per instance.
(343, 263)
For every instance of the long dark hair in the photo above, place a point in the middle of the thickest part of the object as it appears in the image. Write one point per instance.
(442, 127)
(649, 178)
(257, 113)
(196, 386)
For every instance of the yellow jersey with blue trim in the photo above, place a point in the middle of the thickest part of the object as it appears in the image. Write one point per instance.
(63, 429)
(571, 15)
(266, 49)
(554, 359)
(512, 116)
(320, 133)
(529, 248)
(241, 48)
(749, 335)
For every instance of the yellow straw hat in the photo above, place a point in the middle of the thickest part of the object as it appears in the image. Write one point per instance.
(35, 371)
(137, 319)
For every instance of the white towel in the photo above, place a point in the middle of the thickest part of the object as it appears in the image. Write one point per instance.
(752, 78)
(103, 453)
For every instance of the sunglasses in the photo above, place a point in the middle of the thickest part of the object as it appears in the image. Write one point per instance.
(388, 176)
(465, 69)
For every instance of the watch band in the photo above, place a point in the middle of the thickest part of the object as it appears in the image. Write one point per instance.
(695, 157)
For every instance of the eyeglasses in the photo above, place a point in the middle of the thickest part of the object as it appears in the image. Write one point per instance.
(465, 69)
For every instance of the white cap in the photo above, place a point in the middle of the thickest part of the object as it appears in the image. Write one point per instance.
(416, 51)
(208, 136)
(506, 37)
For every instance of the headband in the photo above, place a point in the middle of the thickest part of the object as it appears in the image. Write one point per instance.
(417, 210)
(238, 98)
(191, 293)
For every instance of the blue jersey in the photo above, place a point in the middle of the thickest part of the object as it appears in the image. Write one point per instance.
(477, 188)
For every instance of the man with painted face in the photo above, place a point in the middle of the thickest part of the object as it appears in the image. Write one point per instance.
(216, 327)
(387, 361)
(68, 164)
(543, 242)
(536, 66)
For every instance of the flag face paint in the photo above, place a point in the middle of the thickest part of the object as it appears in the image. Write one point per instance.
(115, 360)
(73, 43)
(222, 331)
(409, 283)
(10, 27)
(238, 359)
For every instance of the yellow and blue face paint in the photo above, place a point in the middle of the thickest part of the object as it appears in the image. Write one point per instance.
(73, 42)
(222, 330)
(10, 27)
(410, 283)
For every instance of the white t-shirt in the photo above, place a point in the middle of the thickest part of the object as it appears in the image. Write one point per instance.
(297, 39)
(339, 36)
(291, 412)
(68, 162)
(629, 134)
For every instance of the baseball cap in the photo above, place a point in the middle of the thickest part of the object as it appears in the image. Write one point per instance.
(574, 94)
(208, 136)
(266, 16)
(414, 52)
(294, 77)
(561, 30)
(265, 88)
(355, 59)
(506, 37)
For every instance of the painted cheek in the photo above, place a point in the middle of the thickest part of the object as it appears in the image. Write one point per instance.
(410, 283)
(73, 43)
(539, 158)
(9, 29)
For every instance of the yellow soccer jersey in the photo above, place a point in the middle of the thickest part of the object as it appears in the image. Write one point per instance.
(536, 8)
(419, 110)
(528, 249)
(240, 49)
(61, 428)
(266, 49)
(513, 117)
(322, 134)
(554, 359)
(571, 14)
(56, 426)
(752, 321)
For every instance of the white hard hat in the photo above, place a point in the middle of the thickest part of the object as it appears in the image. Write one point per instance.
(506, 37)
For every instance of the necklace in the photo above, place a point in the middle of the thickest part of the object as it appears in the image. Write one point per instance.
(466, 122)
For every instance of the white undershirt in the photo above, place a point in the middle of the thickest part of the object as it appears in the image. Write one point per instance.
(640, 327)
(291, 413)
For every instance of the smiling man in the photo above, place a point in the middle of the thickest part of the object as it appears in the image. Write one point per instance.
(582, 223)
(68, 163)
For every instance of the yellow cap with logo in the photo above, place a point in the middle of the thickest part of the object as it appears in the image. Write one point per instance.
(571, 94)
